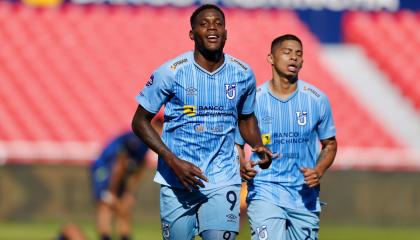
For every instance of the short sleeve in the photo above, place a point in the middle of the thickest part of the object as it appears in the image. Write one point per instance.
(157, 91)
(247, 102)
(326, 128)
(238, 137)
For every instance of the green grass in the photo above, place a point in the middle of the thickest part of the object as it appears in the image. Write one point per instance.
(151, 231)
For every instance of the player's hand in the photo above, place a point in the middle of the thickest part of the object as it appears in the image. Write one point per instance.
(247, 170)
(312, 177)
(265, 156)
(188, 174)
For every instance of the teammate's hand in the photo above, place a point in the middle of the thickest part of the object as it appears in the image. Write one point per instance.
(247, 170)
(265, 156)
(312, 177)
(188, 174)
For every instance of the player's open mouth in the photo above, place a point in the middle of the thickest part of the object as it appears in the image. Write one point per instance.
(292, 67)
(212, 38)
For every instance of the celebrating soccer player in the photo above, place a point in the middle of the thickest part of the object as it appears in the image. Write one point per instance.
(293, 116)
(206, 93)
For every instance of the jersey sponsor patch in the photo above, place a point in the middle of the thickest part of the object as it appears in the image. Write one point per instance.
(190, 110)
(177, 63)
(266, 138)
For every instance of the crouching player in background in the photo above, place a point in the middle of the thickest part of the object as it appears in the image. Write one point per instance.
(115, 176)
(293, 117)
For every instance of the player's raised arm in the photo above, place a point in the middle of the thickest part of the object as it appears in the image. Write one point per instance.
(248, 127)
(187, 173)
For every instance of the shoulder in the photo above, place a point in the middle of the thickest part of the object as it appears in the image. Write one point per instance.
(238, 64)
(172, 66)
(262, 90)
(312, 91)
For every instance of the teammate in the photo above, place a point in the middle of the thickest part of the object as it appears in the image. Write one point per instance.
(293, 116)
(206, 93)
(115, 174)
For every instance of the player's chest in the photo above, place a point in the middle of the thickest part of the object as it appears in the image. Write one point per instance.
(286, 118)
(209, 92)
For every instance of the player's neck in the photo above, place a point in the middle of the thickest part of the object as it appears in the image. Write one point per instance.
(210, 61)
(282, 87)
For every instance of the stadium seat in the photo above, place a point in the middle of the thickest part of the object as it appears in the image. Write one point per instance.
(395, 32)
(72, 72)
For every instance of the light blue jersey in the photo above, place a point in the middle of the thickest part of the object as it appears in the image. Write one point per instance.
(292, 128)
(201, 112)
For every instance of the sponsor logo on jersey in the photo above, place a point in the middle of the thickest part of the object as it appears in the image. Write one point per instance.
(289, 137)
(190, 110)
(230, 91)
(266, 138)
(209, 110)
(301, 118)
(150, 82)
(239, 63)
(199, 127)
(176, 64)
(305, 88)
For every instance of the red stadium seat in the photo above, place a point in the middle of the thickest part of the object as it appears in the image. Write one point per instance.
(397, 33)
(72, 72)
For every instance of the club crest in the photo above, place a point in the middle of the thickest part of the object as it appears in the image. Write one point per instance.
(230, 91)
(262, 233)
(301, 118)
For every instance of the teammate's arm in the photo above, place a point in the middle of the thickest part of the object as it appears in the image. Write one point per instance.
(248, 127)
(247, 166)
(188, 174)
(325, 160)
(117, 175)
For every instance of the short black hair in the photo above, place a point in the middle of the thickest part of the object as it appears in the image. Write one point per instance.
(277, 41)
(197, 11)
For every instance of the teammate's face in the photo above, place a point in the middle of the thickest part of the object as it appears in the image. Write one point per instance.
(287, 59)
(209, 32)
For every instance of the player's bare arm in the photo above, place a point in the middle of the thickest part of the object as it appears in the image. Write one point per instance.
(325, 160)
(187, 173)
(117, 176)
(248, 127)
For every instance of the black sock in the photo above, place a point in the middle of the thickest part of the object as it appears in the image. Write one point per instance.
(105, 237)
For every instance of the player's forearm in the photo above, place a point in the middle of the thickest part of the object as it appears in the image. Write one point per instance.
(142, 127)
(248, 126)
(326, 156)
(117, 174)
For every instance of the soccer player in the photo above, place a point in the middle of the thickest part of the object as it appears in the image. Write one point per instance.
(206, 93)
(293, 117)
(115, 174)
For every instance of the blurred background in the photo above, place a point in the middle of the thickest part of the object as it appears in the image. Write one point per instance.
(70, 70)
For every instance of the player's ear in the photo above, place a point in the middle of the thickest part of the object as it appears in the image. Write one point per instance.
(301, 64)
(191, 35)
(270, 59)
